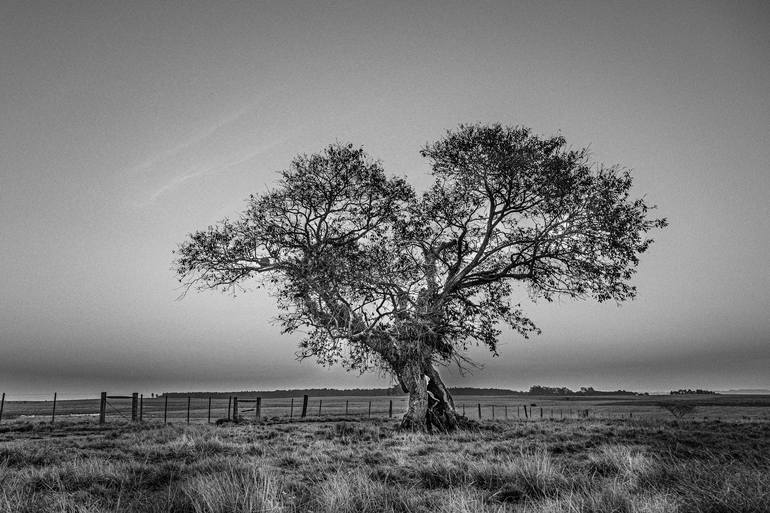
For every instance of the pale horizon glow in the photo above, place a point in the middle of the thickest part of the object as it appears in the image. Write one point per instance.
(125, 126)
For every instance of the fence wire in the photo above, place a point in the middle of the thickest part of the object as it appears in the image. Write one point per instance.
(174, 408)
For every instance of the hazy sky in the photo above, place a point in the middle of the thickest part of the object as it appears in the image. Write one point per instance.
(126, 125)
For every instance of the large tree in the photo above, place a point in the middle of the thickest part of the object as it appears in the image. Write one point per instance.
(379, 277)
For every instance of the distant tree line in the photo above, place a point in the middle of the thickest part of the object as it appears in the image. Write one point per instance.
(312, 392)
(689, 391)
(396, 390)
(542, 390)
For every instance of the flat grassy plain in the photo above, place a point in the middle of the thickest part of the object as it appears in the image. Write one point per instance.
(360, 465)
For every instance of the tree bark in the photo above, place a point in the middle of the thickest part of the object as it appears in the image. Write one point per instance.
(441, 412)
(413, 382)
(430, 403)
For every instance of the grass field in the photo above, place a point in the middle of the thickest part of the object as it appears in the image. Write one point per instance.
(549, 466)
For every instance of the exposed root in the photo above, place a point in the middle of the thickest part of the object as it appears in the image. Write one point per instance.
(411, 424)
(438, 419)
(439, 414)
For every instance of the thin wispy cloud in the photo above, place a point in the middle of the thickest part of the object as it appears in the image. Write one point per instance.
(231, 141)
(179, 180)
(193, 141)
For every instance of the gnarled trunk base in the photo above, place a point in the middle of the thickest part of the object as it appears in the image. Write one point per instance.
(430, 404)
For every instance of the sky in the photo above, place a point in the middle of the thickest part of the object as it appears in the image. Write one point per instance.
(124, 126)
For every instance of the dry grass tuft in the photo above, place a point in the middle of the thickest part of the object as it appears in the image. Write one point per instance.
(355, 492)
(355, 432)
(239, 489)
(609, 499)
(528, 476)
(620, 461)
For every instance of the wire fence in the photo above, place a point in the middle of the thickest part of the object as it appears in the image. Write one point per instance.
(197, 408)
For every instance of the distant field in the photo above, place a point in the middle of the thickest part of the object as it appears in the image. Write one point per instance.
(722, 407)
(366, 466)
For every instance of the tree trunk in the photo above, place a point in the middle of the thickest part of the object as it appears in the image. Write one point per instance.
(430, 403)
(413, 382)
(441, 408)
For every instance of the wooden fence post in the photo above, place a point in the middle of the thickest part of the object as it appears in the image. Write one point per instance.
(2, 405)
(291, 409)
(165, 409)
(208, 418)
(53, 412)
(526, 415)
(134, 406)
(320, 402)
(141, 408)
(102, 407)
(506, 412)
(258, 408)
(370, 409)
(188, 409)
(541, 412)
(390, 409)
(235, 409)
(229, 403)
(479, 410)
(304, 406)
(346, 406)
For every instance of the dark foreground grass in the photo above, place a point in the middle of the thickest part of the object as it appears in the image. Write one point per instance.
(535, 467)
